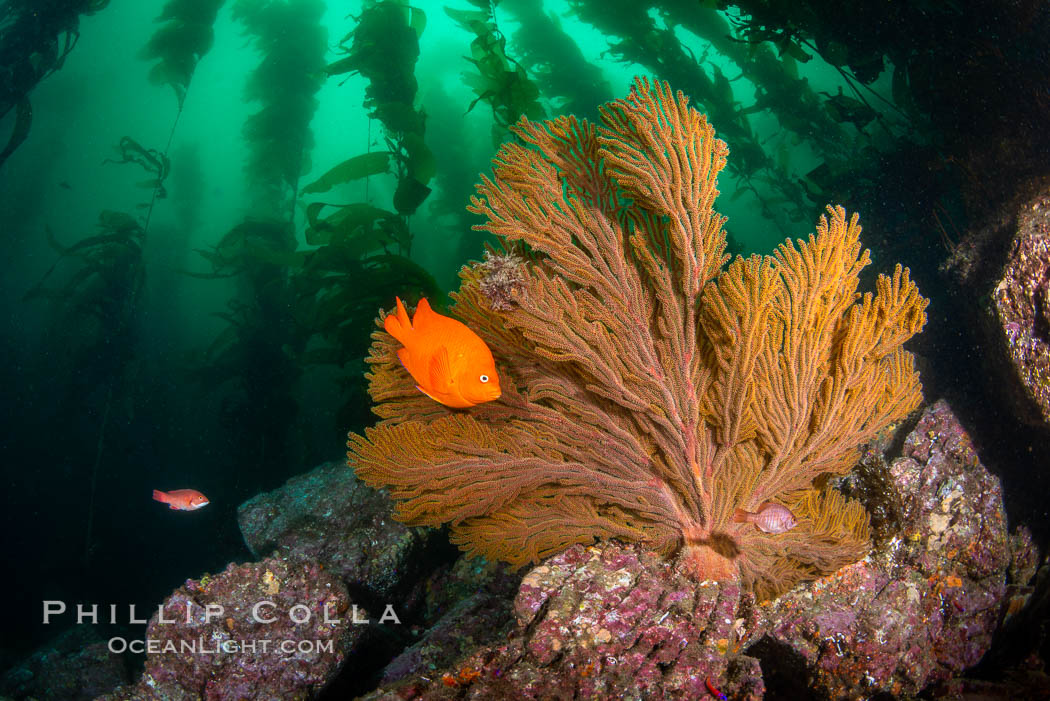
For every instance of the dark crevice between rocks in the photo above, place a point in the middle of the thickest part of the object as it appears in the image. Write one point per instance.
(870, 484)
(1024, 634)
(972, 385)
(541, 615)
(645, 651)
(972, 376)
(896, 445)
(435, 551)
(364, 666)
(654, 653)
(463, 608)
(382, 643)
(783, 671)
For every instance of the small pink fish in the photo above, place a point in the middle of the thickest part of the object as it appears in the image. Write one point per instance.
(181, 499)
(770, 518)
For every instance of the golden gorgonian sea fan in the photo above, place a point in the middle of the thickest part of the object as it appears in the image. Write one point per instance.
(649, 389)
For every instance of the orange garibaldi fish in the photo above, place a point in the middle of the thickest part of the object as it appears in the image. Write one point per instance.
(449, 362)
(181, 499)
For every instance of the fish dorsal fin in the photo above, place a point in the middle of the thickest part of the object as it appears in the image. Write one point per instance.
(425, 320)
(440, 369)
(440, 329)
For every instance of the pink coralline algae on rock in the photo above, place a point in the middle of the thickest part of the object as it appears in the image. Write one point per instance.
(923, 606)
(283, 631)
(613, 621)
(1022, 304)
(606, 622)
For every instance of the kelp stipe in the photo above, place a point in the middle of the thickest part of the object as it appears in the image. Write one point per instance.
(116, 254)
(553, 59)
(384, 48)
(183, 39)
(292, 42)
(500, 81)
(362, 260)
(94, 289)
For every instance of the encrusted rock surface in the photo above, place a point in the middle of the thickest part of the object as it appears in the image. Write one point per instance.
(1000, 271)
(925, 605)
(616, 621)
(1022, 305)
(606, 622)
(76, 665)
(244, 652)
(328, 516)
(466, 604)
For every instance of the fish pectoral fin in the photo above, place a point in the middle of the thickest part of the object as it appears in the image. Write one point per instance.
(440, 370)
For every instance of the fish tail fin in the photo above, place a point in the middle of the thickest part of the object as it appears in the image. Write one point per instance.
(402, 314)
(160, 496)
(398, 324)
(741, 516)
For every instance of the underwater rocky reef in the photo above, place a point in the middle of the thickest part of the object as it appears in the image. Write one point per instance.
(895, 578)
(741, 448)
(605, 620)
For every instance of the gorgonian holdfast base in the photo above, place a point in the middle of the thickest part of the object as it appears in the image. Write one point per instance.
(649, 390)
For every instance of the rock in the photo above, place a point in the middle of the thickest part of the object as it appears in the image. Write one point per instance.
(1005, 259)
(924, 606)
(1029, 682)
(604, 622)
(75, 665)
(328, 516)
(615, 621)
(1022, 306)
(951, 502)
(468, 604)
(290, 648)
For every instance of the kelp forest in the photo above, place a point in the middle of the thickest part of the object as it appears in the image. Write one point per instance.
(206, 204)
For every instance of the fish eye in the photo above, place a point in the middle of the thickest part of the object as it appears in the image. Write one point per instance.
(484, 378)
